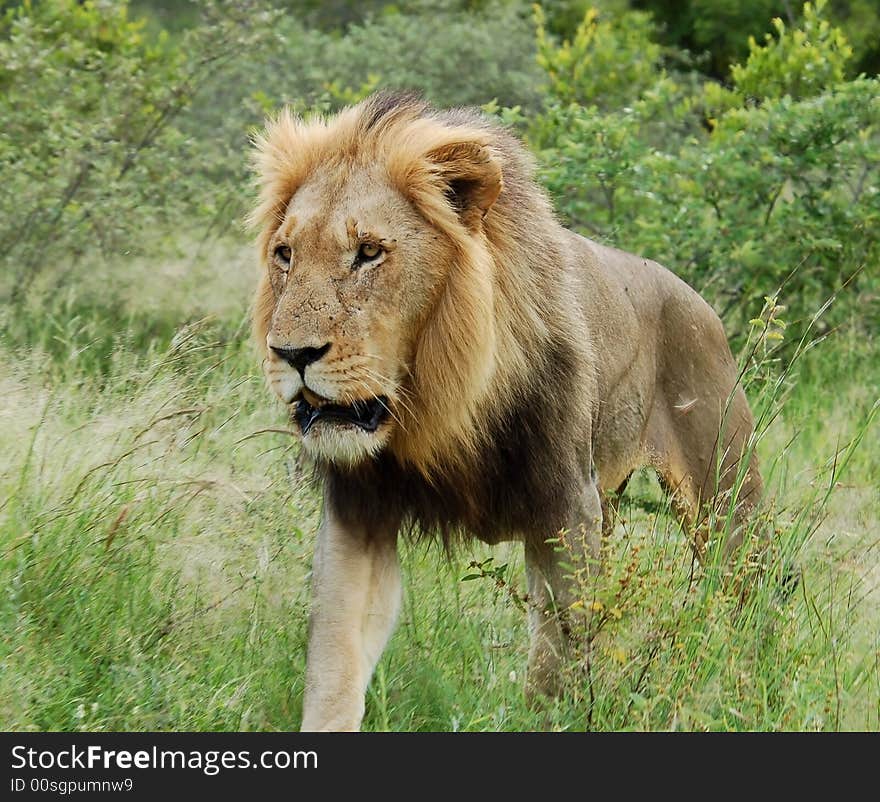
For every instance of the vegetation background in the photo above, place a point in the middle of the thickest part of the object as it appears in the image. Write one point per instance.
(155, 520)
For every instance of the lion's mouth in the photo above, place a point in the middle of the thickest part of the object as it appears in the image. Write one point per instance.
(367, 414)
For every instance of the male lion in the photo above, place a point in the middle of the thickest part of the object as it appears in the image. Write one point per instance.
(456, 360)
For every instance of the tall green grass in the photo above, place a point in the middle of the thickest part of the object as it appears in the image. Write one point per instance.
(156, 528)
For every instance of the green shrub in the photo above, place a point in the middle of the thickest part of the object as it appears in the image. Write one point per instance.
(90, 152)
(801, 62)
(606, 63)
(716, 32)
(482, 54)
(739, 204)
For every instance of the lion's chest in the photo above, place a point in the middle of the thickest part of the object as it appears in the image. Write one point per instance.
(514, 490)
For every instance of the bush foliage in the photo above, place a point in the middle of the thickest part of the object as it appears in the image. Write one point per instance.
(92, 154)
(115, 131)
(772, 181)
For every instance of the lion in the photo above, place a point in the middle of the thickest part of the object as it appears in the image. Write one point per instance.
(457, 363)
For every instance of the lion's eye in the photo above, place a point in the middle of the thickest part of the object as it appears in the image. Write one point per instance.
(283, 255)
(368, 251)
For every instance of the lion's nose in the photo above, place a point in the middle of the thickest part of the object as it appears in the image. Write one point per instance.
(301, 358)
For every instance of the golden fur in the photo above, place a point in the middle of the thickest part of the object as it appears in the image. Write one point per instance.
(526, 369)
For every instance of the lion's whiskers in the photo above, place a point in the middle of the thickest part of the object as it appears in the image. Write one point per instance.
(400, 394)
(382, 378)
(341, 378)
(348, 398)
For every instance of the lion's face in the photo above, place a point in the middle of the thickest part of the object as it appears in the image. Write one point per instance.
(376, 310)
(353, 270)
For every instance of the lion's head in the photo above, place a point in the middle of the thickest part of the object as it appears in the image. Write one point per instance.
(377, 308)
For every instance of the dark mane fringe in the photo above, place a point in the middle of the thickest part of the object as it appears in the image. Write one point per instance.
(386, 106)
(515, 485)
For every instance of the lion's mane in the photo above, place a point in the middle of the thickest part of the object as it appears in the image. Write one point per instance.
(502, 376)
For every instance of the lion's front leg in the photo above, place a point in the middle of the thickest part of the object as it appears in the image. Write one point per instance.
(555, 574)
(356, 594)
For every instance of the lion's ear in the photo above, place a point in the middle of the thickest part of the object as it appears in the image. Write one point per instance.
(472, 177)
